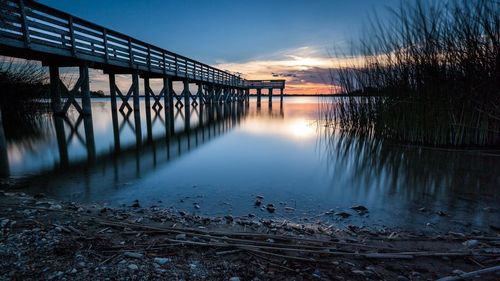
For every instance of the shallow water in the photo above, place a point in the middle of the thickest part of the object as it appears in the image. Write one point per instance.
(222, 158)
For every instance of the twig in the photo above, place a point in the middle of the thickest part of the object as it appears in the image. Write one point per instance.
(471, 274)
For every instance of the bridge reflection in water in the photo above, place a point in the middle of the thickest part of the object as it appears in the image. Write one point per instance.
(103, 171)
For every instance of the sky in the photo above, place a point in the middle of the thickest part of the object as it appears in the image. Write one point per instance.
(294, 40)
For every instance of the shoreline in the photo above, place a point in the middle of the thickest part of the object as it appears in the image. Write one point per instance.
(47, 239)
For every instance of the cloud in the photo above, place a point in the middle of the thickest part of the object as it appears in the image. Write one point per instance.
(307, 70)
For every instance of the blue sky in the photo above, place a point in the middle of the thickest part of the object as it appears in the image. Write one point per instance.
(238, 35)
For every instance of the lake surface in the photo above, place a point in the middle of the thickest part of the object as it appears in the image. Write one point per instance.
(219, 159)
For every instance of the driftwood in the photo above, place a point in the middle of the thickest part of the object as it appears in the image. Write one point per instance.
(471, 274)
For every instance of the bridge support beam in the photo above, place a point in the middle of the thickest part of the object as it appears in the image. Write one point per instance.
(270, 97)
(55, 89)
(82, 87)
(281, 95)
(259, 96)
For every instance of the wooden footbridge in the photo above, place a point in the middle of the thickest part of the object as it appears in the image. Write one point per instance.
(31, 30)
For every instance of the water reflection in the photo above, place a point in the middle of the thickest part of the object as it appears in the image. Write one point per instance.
(220, 157)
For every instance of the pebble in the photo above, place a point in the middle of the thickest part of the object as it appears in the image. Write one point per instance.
(270, 208)
(343, 214)
(471, 243)
(229, 218)
(181, 236)
(133, 266)
(258, 202)
(360, 209)
(196, 206)
(73, 271)
(458, 272)
(402, 278)
(162, 261)
(133, 255)
(234, 278)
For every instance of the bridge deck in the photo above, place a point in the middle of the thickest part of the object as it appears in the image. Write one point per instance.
(35, 31)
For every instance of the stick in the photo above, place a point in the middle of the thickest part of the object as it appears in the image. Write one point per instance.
(471, 274)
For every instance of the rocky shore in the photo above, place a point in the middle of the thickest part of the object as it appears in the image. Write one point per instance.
(45, 239)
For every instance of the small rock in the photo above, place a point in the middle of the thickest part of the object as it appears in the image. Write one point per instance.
(441, 213)
(73, 271)
(358, 272)
(342, 214)
(402, 278)
(136, 204)
(251, 215)
(270, 208)
(55, 207)
(196, 206)
(423, 209)
(471, 243)
(289, 209)
(458, 272)
(234, 278)
(162, 261)
(39, 195)
(258, 202)
(181, 236)
(259, 197)
(229, 218)
(133, 266)
(133, 255)
(360, 209)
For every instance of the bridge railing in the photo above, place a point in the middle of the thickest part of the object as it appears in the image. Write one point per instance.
(263, 84)
(31, 25)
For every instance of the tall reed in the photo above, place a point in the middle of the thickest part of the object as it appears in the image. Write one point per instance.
(431, 73)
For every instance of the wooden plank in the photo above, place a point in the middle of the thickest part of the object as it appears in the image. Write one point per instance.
(45, 27)
(45, 18)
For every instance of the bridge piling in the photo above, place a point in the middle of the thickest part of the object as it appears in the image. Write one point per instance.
(85, 90)
(270, 97)
(55, 89)
(135, 94)
(259, 96)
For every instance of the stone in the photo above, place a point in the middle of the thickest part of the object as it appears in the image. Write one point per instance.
(258, 202)
(402, 278)
(133, 266)
(196, 206)
(234, 278)
(133, 255)
(343, 214)
(229, 218)
(181, 236)
(270, 208)
(471, 243)
(162, 261)
(360, 209)
(458, 272)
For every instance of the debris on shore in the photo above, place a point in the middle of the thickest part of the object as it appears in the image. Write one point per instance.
(42, 238)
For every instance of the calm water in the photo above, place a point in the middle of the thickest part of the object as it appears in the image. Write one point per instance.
(221, 158)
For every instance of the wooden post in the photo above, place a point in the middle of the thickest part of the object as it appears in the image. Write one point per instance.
(112, 90)
(270, 96)
(85, 89)
(62, 144)
(55, 89)
(135, 94)
(169, 105)
(89, 137)
(281, 95)
(258, 97)
(4, 157)
(148, 108)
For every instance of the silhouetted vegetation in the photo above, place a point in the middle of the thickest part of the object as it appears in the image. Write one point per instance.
(433, 75)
